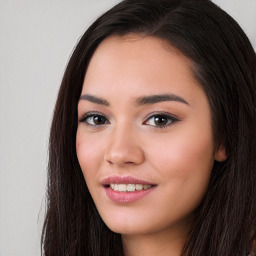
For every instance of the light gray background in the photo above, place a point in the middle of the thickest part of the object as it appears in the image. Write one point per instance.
(36, 39)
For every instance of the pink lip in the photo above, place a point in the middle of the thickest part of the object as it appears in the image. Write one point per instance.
(125, 197)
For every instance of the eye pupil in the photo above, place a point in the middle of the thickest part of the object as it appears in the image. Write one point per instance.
(98, 120)
(161, 120)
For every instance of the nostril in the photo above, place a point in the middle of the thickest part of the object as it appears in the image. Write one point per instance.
(129, 162)
(124, 154)
(109, 162)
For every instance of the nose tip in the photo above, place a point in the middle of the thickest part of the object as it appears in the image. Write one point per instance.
(121, 159)
(124, 151)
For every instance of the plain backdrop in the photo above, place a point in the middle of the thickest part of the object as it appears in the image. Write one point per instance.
(36, 39)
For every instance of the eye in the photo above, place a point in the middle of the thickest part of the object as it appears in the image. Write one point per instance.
(160, 120)
(94, 119)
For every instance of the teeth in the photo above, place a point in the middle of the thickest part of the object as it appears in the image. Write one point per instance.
(129, 187)
(139, 186)
(146, 186)
(122, 188)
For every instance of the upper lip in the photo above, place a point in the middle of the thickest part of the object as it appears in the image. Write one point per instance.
(124, 180)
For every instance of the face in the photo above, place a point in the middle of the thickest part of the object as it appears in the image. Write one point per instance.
(144, 139)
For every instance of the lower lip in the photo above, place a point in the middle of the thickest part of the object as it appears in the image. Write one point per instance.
(127, 197)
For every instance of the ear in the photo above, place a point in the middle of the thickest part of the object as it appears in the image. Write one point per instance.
(220, 154)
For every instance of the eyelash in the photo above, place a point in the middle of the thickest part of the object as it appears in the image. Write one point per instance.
(170, 119)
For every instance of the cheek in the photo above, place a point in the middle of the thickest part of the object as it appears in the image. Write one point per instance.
(182, 153)
(191, 155)
(89, 152)
(184, 163)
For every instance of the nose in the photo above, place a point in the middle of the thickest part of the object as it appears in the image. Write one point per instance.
(123, 148)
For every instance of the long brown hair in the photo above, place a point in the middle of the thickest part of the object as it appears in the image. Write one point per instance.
(224, 63)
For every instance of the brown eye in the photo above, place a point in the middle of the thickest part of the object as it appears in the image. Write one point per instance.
(94, 120)
(99, 120)
(161, 120)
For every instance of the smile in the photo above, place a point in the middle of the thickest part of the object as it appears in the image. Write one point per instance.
(126, 189)
(129, 187)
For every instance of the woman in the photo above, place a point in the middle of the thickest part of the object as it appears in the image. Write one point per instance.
(152, 145)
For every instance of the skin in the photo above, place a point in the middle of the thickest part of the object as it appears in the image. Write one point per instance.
(178, 158)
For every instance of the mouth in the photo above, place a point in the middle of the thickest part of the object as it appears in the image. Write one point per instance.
(129, 187)
(126, 189)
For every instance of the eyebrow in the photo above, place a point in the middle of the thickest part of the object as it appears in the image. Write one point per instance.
(145, 100)
(159, 98)
(94, 99)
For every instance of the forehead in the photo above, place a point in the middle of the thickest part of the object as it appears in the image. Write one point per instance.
(133, 48)
(133, 65)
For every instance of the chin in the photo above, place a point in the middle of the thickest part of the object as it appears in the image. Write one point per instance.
(141, 223)
(129, 223)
